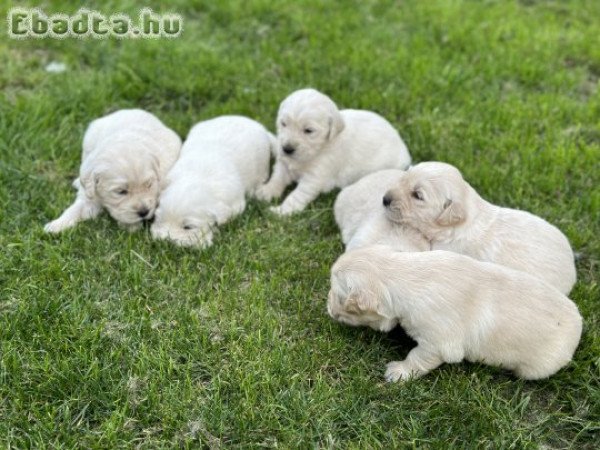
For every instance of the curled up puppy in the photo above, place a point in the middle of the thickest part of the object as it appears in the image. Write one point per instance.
(125, 156)
(362, 220)
(222, 161)
(456, 308)
(434, 199)
(322, 148)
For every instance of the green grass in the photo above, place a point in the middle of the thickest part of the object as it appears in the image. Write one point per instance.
(110, 340)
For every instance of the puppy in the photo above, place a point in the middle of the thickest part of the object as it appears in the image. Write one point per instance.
(125, 156)
(221, 161)
(322, 148)
(434, 199)
(361, 216)
(456, 308)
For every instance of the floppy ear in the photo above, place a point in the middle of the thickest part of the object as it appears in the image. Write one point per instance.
(361, 302)
(336, 124)
(452, 214)
(155, 165)
(88, 179)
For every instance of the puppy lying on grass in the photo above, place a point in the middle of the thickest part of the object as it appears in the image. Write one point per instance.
(125, 156)
(456, 308)
(323, 148)
(434, 199)
(362, 220)
(221, 161)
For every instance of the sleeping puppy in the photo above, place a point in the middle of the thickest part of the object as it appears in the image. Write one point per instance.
(361, 216)
(434, 199)
(456, 308)
(125, 156)
(221, 161)
(322, 148)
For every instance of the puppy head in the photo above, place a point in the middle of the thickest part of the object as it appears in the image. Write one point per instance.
(125, 182)
(306, 122)
(184, 216)
(357, 297)
(430, 197)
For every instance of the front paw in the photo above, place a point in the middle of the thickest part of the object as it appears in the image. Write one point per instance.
(56, 226)
(398, 371)
(282, 210)
(266, 193)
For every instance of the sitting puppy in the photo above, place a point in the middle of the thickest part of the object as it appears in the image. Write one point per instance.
(362, 220)
(125, 156)
(221, 161)
(323, 148)
(456, 308)
(434, 199)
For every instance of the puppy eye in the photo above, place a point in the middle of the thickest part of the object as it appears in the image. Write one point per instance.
(187, 227)
(308, 131)
(122, 192)
(283, 124)
(417, 195)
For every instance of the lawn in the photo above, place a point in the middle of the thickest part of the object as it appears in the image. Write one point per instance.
(111, 340)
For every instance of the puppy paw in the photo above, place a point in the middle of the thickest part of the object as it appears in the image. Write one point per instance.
(398, 371)
(281, 210)
(265, 193)
(56, 226)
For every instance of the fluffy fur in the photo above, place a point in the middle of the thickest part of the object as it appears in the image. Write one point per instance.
(456, 308)
(361, 217)
(434, 199)
(221, 161)
(126, 155)
(322, 148)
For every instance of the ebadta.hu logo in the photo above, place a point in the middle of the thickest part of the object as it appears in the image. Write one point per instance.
(26, 23)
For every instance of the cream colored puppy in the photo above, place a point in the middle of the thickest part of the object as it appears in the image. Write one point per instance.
(362, 220)
(456, 308)
(221, 161)
(434, 199)
(322, 148)
(125, 156)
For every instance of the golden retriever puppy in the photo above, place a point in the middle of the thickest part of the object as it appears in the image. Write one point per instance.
(362, 220)
(434, 198)
(322, 148)
(456, 308)
(126, 155)
(222, 160)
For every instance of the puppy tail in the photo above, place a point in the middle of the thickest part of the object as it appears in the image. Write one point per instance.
(273, 145)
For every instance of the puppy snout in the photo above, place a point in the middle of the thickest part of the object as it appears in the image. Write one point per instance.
(387, 200)
(143, 212)
(288, 149)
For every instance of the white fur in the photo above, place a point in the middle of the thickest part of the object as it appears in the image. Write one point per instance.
(221, 161)
(456, 308)
(454, 217)
(125, 156)
(332, 148)
(361, 217)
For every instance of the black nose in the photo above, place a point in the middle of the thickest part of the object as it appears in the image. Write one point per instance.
(288, 149)
(143, 212)
(387, 200)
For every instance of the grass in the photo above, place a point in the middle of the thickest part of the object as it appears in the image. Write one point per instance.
(111, 340)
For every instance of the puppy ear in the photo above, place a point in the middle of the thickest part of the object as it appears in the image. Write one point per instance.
(88, 180)
(452, 214)
(155, 165)
(336, 124)
(361, 302)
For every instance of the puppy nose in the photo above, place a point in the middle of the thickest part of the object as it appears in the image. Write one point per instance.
(143, 212)
(288, 149)
(387, 200)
